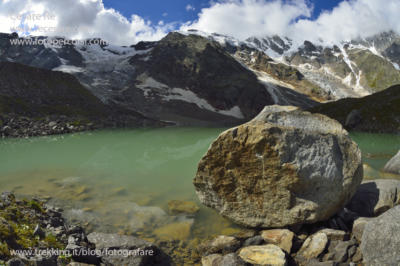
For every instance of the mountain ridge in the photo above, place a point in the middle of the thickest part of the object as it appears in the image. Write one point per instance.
(196, 78)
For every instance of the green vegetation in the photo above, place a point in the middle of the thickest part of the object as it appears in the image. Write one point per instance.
(17, 224)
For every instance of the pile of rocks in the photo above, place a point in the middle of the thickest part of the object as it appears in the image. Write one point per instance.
(301, 174)
(355, 235)
(20, 126)
(31, 226)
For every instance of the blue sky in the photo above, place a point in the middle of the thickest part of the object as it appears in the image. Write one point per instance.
(297, 19)
(175, 10)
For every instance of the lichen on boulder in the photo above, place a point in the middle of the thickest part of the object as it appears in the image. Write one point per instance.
(285, 167)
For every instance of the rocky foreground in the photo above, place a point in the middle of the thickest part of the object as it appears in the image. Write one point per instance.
(33, 233)
(299, 173)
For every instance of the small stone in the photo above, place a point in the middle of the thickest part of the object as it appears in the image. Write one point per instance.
(313, 246)
(178, 206)
(341, 250)
(230, 260)
(175, 231)
(52, 124)
(222, 244)
(283, 238)
(359, 226)
(333, 234)
(244, 234)
(263, 255)
(253, 241)
(393, 166)
(211, 260)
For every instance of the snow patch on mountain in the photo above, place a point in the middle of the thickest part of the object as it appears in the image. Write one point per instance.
(153, 88)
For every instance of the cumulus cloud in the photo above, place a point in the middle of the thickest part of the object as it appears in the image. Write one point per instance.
(349, 20)
(245, 18)
(77, 19)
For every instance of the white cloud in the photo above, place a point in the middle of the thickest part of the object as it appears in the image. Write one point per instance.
(349, 20)
(79, 19)
(189, 7)
(238, 18)
(245, 18)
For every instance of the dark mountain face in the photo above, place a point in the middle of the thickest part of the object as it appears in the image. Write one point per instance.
(38, 93)
(379, 112)
(203, 67)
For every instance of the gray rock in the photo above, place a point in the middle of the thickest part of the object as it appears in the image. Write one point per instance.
(333, 234)
(313, 246)
(263, 255)
(393, 166)
(283, 168)
(253, 241)
(339, 251)
(231, 259)
(211, 260)
(141, 252)
(220, 244)
(375, 197)
(359, 226)
(381, 239)
(283, 238)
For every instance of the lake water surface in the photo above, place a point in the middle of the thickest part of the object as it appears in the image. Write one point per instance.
(122, 180)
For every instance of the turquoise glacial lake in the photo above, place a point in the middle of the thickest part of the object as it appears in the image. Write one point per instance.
(122, 180)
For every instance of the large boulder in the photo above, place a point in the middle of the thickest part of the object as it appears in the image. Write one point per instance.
(285, 167)
(375, 197)
(380, 243)
(393, 166)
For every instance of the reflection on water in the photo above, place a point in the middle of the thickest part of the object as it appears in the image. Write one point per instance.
(123, 180)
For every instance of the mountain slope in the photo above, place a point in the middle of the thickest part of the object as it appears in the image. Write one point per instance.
(184, 78)
(195, 78)
(38, 93)
(379, 112)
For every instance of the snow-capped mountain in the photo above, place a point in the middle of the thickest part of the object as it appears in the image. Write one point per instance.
(197, 78)
(348, 69)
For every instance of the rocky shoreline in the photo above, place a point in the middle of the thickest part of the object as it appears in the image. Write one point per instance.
(366, 237)
(17, 126)
(347, 238)
(34, 233)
